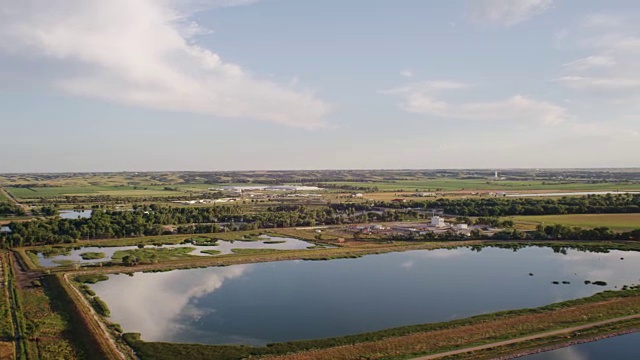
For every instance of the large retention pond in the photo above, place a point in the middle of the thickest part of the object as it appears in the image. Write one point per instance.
(281, 301)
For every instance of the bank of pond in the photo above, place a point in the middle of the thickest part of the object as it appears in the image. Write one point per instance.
(257, 304)
(620, 347)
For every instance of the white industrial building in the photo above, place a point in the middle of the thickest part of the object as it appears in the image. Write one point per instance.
(438, 222)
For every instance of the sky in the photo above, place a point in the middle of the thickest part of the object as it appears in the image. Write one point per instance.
(203, 85)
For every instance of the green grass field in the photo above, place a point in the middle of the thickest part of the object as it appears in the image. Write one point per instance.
(618, 222)
(482, 184)
(444, 184)
(130, 191)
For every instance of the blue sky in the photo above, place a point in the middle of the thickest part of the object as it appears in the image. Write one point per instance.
(90, 85)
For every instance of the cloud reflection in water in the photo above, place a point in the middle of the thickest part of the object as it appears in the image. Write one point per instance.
(155, 306)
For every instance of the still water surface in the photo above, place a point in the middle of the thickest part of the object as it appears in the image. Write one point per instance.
(75, 214)
(616, 348)
(281, 301)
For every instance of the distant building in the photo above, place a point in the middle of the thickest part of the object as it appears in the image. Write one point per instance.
(358, 195)
(461, 227)
(377, 227)
(399, 200)
(5, 230)
(437, 221)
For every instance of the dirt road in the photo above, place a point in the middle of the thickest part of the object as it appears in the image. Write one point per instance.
(527, 338)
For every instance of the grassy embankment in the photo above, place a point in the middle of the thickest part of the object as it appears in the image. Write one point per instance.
(616, 222)
(156, 258)
(211, 252)
(88, 331)
(551, 342)
(250, 256)
(589, 246)
(177, 258)
(255, 251)
(7, 337)
(418, 339)
(18, 321)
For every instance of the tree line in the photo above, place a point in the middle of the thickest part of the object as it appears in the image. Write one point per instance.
(9, 209)
(150, 220)
(487, 207)
(157, 220)
(549, 232)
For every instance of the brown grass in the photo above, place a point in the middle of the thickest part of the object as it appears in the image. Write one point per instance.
(7, 350)
(500, 329)
(618, 222)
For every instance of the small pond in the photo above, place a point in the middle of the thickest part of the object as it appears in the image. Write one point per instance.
(75, 214)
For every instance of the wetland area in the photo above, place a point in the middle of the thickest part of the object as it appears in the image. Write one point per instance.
(210, 247)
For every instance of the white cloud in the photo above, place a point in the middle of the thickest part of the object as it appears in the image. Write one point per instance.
(612, 68)
(428, 86)
(600, 83)
(590, 62)
(143, 53)
(407, 73)
(601, 21)
(425, 98)
(507, 12)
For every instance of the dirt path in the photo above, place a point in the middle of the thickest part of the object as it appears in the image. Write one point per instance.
(527, 338)
(23, 276)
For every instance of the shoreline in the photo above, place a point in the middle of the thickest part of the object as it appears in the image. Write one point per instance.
(567, 344)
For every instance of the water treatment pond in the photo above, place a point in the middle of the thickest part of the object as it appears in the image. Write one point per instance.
(223, 246)
(620, 347)
(281, 301)
(75, 214)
